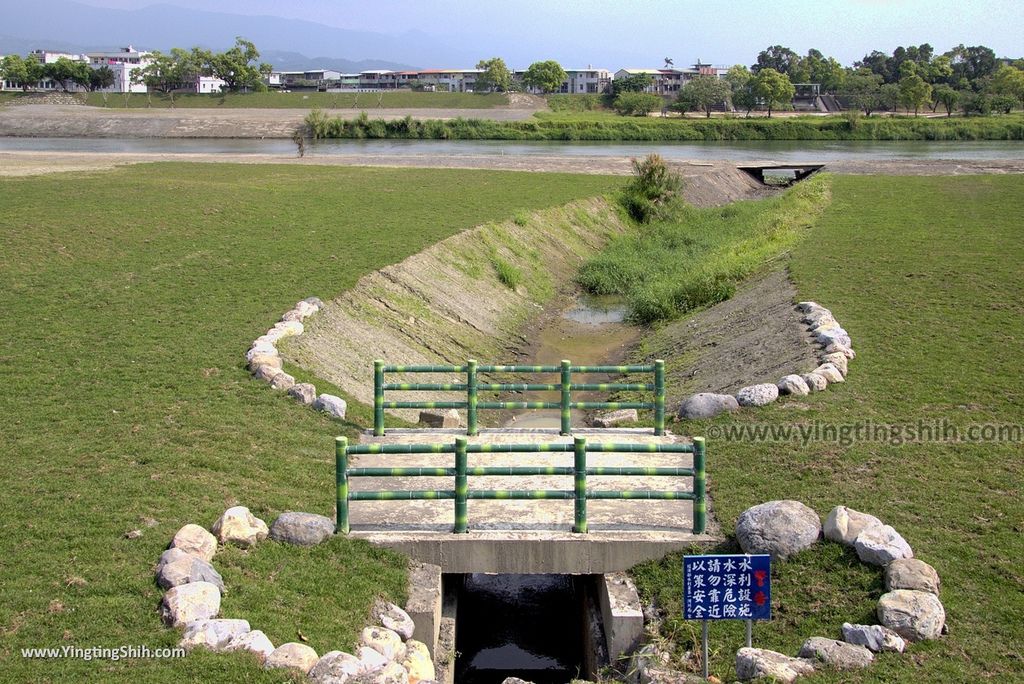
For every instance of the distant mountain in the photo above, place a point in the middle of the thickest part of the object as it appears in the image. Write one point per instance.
(52, 24)
(293, 61)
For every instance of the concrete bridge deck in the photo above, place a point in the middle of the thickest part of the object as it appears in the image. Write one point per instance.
(527, 536)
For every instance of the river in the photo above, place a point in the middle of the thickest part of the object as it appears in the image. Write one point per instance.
(781, 151)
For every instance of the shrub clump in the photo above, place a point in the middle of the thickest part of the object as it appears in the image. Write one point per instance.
(654, 191)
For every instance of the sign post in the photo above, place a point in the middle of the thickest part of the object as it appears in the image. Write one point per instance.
(726, 587)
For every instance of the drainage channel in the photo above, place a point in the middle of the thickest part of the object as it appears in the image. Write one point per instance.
(546, 629)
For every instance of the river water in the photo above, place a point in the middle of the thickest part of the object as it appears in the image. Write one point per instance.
(780, 150)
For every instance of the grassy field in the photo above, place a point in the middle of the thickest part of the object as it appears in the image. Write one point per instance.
(720, 246)
(279, 100)
(129, 298)
(596, 125)
(925, 274)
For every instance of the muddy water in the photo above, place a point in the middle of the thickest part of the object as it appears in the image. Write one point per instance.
(585, 329)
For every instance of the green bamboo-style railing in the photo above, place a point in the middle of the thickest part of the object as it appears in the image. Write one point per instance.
(472, 387)
(461, 473)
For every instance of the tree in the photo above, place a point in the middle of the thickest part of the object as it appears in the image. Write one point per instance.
(946, 96)
(1008, 81)
(773, 87)
(634, 83)
(971, 63)
(914, 92)
(778, 58)
(862, 89)
(637, 104)
(101, 78)
(545, 76)
(704, 92)
(496, 75)
(26, 71)
(741, 83)
(65, 72)
(889, 96)
(237, 66)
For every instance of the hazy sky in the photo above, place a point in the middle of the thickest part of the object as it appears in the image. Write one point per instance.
(607, 32)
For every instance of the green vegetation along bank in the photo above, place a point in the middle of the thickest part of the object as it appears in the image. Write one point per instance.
(127, 406)
(298, 100)
(599, 126)
(922, 273)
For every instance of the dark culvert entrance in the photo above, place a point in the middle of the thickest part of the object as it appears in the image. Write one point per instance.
(534, 627)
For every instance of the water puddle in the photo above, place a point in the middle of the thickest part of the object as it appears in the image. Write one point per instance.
(587, 330)
(527, 626)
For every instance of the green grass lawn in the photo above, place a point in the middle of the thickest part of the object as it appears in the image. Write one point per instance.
(925, 274)
(129, 298)
(298, 100)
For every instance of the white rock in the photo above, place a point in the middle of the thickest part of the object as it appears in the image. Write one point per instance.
(816, 382)
(758, 663)
(914, 615)
(837, 654)
(838, 360)
(292, 315)
(282, 381)
(267, 373)
(757, 395)
(303, 392)
(807, 307)
(614, 418)
(186, 569)
(237, 525)
(195, 540)
(268, 340)
(439, 418)
(818, 317)
(880, 545)
(265, 349)
(292, 655)
(393, 673)
(335, 667)
(834, 336)
(305, 309)
(370, 659)
(385, 641)
(301, 529)
(844, 524)
(214, 635)
(911, 573)
(169, 556)
(315, 302)
(829, 372)
(331, 405)
(418, 663)
(873, 637)
(779, 528)
(289, 328)
(794, 385)
(397, 620)
(255, 642)
(707, 405)
(835, 348)
(272, 360)
(189, 602)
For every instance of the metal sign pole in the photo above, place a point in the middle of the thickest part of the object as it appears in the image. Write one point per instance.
(704, 648)
(750, 633)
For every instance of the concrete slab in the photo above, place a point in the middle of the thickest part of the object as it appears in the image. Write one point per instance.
(526, 536)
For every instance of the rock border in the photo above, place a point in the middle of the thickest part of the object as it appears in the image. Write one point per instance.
(264, 360)
(836, 353)
(386, 650)
(909, 611)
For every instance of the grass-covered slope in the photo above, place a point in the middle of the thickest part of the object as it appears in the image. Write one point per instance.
(300, 100)
(128, 299)
(925, 274)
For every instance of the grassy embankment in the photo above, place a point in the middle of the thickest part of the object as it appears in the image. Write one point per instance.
(924, 274)
(298, 100)
(127, 306)
(598, 126)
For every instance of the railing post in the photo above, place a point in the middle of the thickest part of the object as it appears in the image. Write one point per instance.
(659, 397)
(461, 486)
(699, 486)
(471, 419)
(378, 398)
(566, 398)
(341, 481)
(580, 484)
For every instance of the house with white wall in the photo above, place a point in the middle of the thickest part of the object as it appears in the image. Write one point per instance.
(124, 63)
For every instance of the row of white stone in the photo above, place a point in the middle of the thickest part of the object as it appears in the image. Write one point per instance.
(264, 360)
(909, 611)
(387, 653)
(837, 351)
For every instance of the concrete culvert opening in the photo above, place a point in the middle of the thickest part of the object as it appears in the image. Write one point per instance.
(780, 175)
(542, 628)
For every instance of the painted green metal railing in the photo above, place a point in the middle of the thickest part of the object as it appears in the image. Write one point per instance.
(472, 387)
(461, 473)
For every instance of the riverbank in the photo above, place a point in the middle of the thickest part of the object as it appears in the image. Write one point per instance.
(850, 126)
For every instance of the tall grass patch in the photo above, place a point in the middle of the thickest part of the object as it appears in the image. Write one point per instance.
(695, 258)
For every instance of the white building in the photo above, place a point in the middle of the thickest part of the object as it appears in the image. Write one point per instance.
(209, 84)
(124, 63)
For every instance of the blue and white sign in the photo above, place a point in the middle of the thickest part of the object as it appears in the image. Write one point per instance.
(727, 587)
